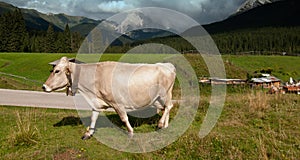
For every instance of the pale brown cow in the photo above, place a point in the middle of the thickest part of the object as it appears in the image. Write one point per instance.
(122, 86)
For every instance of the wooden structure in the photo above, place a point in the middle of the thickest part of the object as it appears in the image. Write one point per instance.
(223, 81)
(291, 89)
(265, 82)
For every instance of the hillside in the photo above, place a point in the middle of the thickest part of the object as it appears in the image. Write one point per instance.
(278, 14)
(275, 23)
(250, 4)
(32, 19)
(39, 21)
(84, 28)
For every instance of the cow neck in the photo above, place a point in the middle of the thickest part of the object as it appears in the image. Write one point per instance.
(75, 72)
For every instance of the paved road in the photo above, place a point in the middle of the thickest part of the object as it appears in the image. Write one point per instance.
(44, 100)
(36, 99)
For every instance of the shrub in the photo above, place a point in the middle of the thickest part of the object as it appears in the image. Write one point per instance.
(25, 133)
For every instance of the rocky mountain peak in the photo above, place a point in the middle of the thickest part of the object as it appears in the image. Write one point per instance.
(250, 4)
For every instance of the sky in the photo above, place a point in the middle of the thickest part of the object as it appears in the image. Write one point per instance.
(203, 11)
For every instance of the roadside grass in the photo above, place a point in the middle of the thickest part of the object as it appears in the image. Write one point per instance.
(245, 130)
(25, 133)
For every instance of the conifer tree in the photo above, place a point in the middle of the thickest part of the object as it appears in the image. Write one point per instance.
(50, 40)
(76, 40)
(67, 39)
(2, 33)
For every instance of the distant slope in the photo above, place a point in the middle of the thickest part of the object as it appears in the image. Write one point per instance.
(5, 7)
(32, 18)
(84, 28)
(61, 20)
(278, 14)
(39, 21)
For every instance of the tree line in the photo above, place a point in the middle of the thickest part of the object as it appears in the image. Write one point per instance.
(270, 40)
(13, 32)
(261, 40)
(16, 38)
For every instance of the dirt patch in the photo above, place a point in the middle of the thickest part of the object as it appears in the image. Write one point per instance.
(5, 64)
(70, 154)
(5, 83)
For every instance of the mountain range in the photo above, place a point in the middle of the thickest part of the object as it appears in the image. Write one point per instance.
(252, 14)
(283, 13)
(39, 21)
(250, 4)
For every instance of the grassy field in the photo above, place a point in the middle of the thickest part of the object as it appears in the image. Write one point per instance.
(29, 71)
(253, 124)
(282, 67)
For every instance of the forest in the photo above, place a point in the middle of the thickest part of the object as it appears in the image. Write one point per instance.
(16, 38)
(266, 40)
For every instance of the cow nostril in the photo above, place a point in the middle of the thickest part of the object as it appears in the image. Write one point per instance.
(44, 87)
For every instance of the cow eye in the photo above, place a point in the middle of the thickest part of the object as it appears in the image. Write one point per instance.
(51, 71)
(57, 71)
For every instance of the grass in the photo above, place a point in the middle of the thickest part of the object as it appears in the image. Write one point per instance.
(25, 133)
(283, 67)
(253, 125)
(32, 66)
(33, 69)
(26, 71)
(244, 131)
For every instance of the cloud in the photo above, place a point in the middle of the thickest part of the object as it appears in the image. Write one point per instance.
(204, 11)
(114, 6)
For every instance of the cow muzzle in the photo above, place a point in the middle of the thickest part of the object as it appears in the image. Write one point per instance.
(46, 88)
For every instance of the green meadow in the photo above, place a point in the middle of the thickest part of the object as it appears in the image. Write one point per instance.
(32, 69)
(253, 124)
(282, 67)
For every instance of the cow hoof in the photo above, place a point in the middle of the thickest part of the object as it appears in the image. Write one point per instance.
(160, 128)
(160, 125)
(130, 134)
(86, 136)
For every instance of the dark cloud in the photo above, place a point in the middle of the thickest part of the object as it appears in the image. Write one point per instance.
(204, 11)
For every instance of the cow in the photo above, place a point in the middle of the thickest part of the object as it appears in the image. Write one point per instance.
(117, 85)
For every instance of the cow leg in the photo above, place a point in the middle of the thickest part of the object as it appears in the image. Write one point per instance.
(164, 121)
(166, 124)
(124, 118)
(89, 133)
(161, 122)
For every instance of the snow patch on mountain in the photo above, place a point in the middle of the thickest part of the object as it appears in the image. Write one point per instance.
(250, 4)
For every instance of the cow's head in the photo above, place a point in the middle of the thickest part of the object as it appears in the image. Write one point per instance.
(59, 79)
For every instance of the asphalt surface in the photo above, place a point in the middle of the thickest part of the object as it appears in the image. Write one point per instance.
(37, 99)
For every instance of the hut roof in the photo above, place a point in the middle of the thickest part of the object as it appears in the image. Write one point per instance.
(268, 79)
